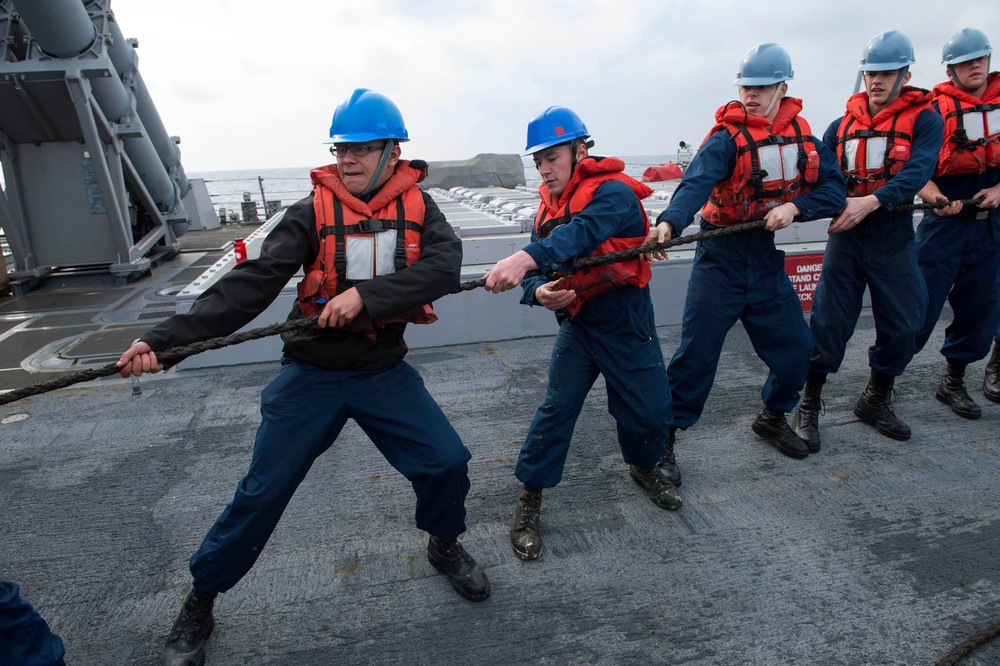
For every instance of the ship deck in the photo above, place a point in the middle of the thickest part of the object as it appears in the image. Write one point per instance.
(870, 552)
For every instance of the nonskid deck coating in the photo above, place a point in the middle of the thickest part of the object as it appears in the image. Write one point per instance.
(870, 552)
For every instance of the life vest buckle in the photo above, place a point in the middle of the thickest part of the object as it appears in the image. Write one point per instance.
(371, 226)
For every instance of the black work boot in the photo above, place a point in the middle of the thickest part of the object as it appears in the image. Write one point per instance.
(991, 378)
(467, 577)
(873, 408)
(805, 420)
(773, 427)
(663, 493)
(525, 537)
(186, 643)
(668, 464)
(952, 392)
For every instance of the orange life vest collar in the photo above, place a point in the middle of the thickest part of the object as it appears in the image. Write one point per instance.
(776, 162)
(406, 175)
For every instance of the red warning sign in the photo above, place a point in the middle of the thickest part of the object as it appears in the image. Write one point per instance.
(804, 270)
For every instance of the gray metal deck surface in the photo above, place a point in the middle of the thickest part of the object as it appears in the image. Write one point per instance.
(870, 552)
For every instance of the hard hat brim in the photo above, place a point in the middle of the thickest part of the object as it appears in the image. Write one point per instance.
(760, 81)
(967, 57)
(884, 66)
(363, 138)
(555, 142)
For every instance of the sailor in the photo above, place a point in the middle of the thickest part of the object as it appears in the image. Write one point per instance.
(759, 161)
(25, 637)
(991, 376)
(887, 144)
(606, 327)
(958, 246)
(375, 251)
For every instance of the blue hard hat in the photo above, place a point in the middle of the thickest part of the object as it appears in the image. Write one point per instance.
(553, 126)
(764, 65)
(366, 116)
(887, 51)
(966, 44)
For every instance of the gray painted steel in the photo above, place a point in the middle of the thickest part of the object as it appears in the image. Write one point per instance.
(71, 92)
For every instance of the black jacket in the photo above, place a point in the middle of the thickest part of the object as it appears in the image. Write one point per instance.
(243, 293)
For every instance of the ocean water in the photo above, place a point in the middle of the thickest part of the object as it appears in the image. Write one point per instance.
(227, 188)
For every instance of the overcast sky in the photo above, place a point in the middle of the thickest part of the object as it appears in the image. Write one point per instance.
(252, 84)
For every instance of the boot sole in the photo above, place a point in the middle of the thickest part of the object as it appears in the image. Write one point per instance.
(972, 416)
(870, 421)
(992, 397)
(193, 658)
(791, 453)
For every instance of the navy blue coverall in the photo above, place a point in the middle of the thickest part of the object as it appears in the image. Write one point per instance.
(613, 335)
(959, 257)
(25, 637)
(878, 251)
(328, 376)
(740, 277)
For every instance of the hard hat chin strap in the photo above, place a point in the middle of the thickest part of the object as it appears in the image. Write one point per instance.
(898, 83)
(389, 145)
(774, 98)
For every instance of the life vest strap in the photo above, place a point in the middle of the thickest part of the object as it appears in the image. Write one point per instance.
(372, 226)
(545, 227)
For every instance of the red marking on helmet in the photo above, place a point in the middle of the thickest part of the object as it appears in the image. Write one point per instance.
(560, 131)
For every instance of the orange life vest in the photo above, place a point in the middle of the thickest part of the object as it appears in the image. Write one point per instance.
(360, 241)
(775, 163)
(589, 283)
(971, 128)
(871, 150)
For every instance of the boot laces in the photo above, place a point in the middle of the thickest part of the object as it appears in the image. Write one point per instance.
(532, 505)
(193, 616)
(887, 400)
(452, 551)
(812, 408)
(654, 480)
(457, 552)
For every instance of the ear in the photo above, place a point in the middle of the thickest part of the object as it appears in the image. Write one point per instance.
(782, 89)
(581, 150)
(906, 78)
(394, 155)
